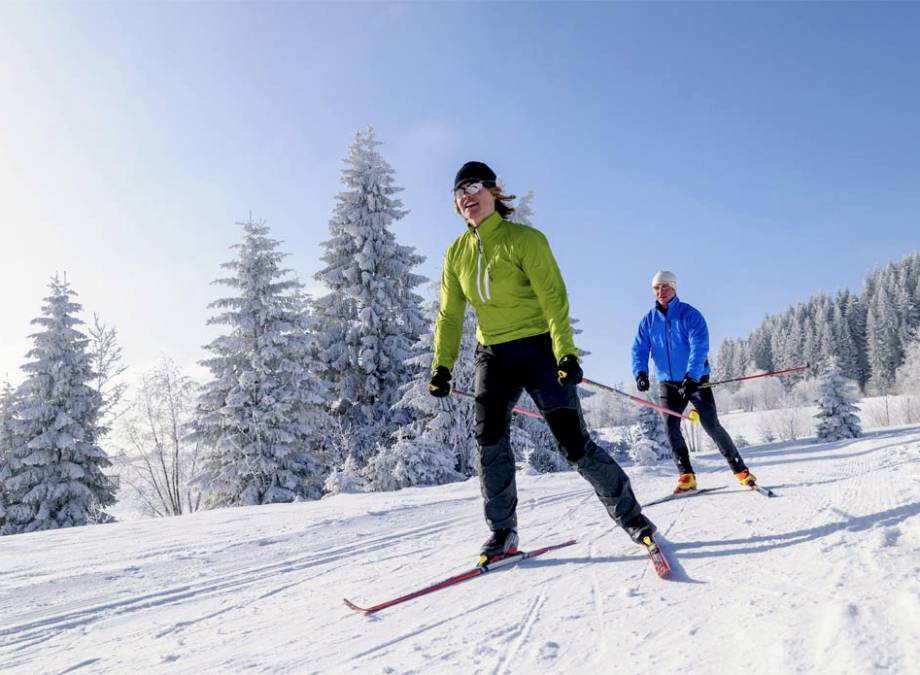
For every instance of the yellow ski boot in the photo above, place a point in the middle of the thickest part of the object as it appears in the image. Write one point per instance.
(747, 478)
(685, 483)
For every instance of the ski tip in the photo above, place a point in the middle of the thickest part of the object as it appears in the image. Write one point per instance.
(351, 605)
(766, 492)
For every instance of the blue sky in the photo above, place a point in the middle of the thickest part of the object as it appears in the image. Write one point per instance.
(761, 151)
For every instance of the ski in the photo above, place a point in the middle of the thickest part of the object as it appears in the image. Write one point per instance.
(656, 555)
(469, 574)
(683, 495)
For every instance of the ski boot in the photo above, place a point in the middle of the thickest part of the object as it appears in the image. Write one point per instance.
(747, 478)
(685, 483)
(501, 544)
(640, 529)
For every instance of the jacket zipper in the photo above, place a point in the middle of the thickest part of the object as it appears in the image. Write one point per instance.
(479, 275)
(667, 345)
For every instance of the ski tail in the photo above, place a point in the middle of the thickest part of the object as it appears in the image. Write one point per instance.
(657, 556)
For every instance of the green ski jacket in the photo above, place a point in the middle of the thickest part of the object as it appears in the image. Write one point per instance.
(508, 273)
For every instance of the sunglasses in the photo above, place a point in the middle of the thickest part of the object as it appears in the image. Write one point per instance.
(469, 189)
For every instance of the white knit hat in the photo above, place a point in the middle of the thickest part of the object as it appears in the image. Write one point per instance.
(665, 277)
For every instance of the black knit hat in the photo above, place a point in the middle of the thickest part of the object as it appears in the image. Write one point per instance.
(475, 171)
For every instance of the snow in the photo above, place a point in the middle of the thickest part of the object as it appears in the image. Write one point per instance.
(825, 578)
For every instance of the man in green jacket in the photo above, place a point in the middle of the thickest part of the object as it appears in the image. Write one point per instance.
(508, 273)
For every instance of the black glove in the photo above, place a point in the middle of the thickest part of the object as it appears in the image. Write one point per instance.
(642, 381)
(569, 370)
(688, 386)
(440, 382)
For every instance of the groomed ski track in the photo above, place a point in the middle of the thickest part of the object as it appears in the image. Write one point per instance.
(824, 578)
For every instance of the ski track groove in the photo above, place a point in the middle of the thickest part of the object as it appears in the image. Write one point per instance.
(597, 601)
(418, 631)
(239, 579)
(523, 630)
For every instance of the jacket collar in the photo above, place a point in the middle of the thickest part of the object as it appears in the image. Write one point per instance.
(488, 226)
(673, 306)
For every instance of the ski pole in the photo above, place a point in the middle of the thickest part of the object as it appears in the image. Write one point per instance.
(751, 377)
(517, 409)
(692, 416)
(746, 377)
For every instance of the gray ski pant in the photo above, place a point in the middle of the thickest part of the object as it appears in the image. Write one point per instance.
(705, 404)
(503, 372)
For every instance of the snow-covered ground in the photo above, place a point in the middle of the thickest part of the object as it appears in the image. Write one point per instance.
(824, 578)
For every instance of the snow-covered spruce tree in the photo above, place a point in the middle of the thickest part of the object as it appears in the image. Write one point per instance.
(837, 417)
(53, 473)
(7, 437)
(412, 461)
(908, 373)
(523, 210)
(369, 321)
(856, 316)
(882, 341)
(651, 428)
(259, 420)
(651, 445)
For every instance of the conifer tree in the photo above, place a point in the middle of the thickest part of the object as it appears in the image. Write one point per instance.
(760, 347)
(724, 367)
(369, 322)
(7, 437)
(53, 472)
(412, 461)
(883, 343)
(259, 418)
(523, 210)
(652, 445)
(837, 417)
(908, 373)
(842, 343)
(856, 315)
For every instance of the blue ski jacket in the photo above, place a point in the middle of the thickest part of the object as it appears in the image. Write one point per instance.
(678, 342)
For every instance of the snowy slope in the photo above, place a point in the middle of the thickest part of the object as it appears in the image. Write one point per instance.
(825, 578)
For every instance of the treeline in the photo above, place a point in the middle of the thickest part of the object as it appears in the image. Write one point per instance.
(870, 334)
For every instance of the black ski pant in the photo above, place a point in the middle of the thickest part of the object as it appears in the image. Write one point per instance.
(503, 372)
(705, 404)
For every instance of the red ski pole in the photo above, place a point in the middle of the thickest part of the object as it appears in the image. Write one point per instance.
(751, 377)
(692, 416)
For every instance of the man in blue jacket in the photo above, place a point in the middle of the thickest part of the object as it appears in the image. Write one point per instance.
(676, 335)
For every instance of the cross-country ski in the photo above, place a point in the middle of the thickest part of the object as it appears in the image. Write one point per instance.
(477, 571)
